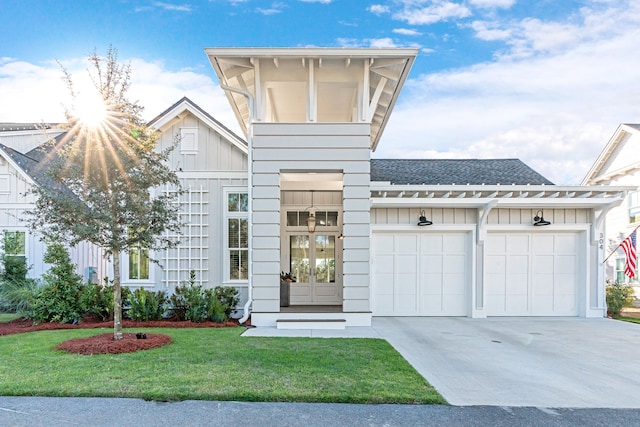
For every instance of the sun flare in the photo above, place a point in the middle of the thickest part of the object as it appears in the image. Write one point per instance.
(90, 109)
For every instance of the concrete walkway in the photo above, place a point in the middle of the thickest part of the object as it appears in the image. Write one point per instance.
(514, 362)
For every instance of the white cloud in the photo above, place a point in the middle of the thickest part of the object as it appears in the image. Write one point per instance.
(407, 32)
(554, 112)
(489, 31)
(317, 1)
(174, 7)
(37, 92)
(489, 4)
(414, 13)
(378, 9)
(381, 43)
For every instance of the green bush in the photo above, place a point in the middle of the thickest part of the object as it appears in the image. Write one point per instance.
(19, 296)
(146, 305)
(192, 302)
(97, 299)
(228, 297)
(619, 296)
(60, 298)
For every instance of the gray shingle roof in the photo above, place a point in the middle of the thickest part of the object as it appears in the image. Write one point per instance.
(13, 127)
(455, 171)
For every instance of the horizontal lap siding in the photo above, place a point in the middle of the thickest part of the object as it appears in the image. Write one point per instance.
(322, 148)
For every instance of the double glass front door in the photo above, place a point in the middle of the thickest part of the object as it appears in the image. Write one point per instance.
(313, 263)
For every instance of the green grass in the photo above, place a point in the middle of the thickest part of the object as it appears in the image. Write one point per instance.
(8, 317)
(215, 364)
(628, 319)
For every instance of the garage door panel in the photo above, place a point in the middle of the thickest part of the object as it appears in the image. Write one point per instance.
(428, 273)
(540, 277)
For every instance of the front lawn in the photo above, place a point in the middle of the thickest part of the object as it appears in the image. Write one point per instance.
(215, 364)
(8, 317)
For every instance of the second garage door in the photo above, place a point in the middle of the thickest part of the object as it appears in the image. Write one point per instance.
(532, 274)
(424, 274)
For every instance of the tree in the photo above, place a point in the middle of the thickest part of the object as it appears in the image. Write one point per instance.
(105, 179)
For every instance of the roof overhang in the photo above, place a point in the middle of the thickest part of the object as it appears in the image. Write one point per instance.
(386, 72)
(592, 176)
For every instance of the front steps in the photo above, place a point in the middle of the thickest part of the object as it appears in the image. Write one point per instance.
(311, 323)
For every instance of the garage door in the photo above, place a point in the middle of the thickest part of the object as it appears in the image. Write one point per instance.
(531, 274)
(425, 274)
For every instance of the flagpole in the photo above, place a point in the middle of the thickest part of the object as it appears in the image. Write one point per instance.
(614, 251)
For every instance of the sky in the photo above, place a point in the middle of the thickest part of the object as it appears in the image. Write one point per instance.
(545, 81)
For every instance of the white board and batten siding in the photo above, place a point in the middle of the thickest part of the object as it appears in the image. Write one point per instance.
(208, 165)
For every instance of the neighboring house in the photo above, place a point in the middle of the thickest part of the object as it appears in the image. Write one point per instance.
(20, 157)
(364, 237)
(619, 164)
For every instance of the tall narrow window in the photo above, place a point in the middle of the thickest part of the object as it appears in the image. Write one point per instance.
(237, 247)
(15, 255)
(139, 264)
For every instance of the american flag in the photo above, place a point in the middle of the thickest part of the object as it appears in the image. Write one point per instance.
(630, 255)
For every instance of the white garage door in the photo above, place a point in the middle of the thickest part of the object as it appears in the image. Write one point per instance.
(425, 274)
(531, 274)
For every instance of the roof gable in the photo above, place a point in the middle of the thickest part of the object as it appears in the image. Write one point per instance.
(186, 105)
(620, 156)
(455, 171)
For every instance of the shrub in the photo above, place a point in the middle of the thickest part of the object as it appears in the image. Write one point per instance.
(146, 305)
(192, 302)
(97, 300)
(19, 296)
(59, 299)
(189, 301)
(619, 296)
(228, 297)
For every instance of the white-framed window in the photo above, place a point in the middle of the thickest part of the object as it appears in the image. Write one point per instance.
(236, 220)
(619, 273)
(14, 244)
(136, 267)
(188, 140)
(633, 203)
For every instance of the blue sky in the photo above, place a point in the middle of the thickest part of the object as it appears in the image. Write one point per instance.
(546, 81)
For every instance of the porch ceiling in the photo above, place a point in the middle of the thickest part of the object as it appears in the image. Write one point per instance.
(385, 73)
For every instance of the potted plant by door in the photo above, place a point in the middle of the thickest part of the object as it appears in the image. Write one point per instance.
(285, 281)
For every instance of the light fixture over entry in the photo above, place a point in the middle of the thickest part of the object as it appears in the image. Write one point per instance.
(311, 219)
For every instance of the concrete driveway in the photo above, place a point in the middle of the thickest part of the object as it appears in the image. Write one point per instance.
(541, 362)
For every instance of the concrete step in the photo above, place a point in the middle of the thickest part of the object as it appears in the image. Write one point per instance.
(311, 323)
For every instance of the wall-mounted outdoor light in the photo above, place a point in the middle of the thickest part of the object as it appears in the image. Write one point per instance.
(422, 220)
(539, 220)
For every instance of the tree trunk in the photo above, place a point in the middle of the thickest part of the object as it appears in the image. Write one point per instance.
(117, 298)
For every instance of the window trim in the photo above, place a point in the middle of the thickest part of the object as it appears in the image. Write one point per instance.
(226, 215)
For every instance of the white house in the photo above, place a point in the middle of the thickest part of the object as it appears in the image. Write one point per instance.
(364, 237)
(619, 164)
(312, 117)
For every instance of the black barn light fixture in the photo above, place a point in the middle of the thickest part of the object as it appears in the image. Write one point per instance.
(539, 220)
(422, 220)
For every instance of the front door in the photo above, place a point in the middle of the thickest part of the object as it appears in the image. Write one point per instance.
(313, 263)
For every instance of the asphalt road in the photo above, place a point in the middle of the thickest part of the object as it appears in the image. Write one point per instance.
(47, 411)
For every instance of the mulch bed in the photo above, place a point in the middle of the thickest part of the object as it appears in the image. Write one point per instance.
(104, 343)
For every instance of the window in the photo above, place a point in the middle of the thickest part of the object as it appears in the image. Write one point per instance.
(323, 218)
(14, 243)
(619, 273)
(633, 203)
(237, 227)
(15, 254)
(139, 264)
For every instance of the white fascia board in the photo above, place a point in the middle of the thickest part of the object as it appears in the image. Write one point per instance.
(559, 203)
(170, 116)
(309, 52)
(17, 167)
(384, 186)
(603, 157)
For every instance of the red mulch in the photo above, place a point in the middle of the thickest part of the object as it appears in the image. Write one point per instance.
(104, 343)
